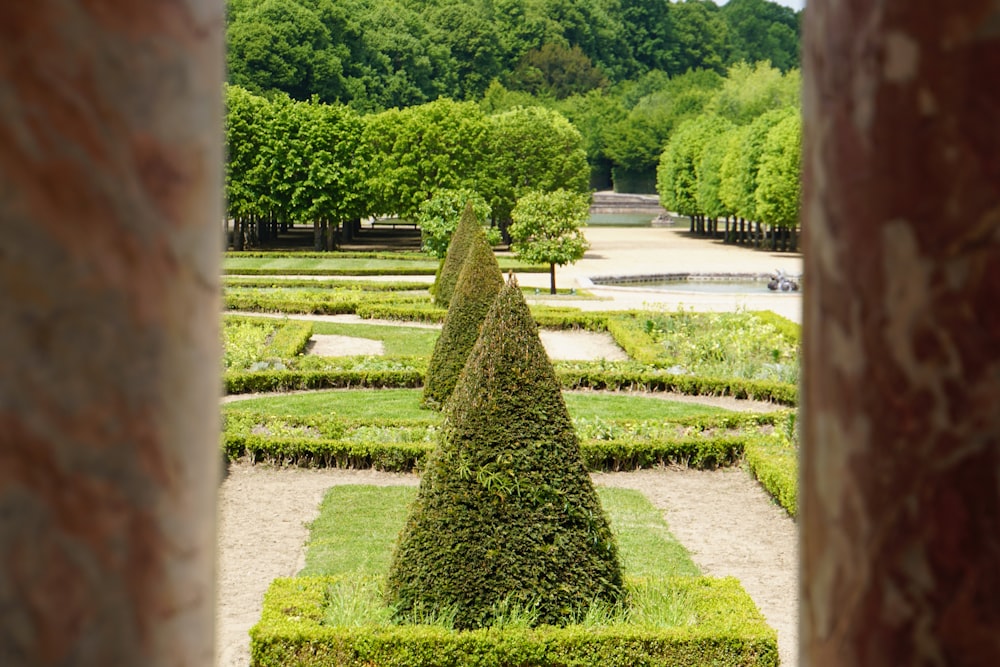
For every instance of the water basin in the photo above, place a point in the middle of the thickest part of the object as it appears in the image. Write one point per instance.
(697, 283)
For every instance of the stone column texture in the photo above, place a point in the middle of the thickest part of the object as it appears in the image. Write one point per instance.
(110, 199)
(900, 482)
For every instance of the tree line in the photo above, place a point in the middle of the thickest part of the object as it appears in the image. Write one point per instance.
(707, 138)
(326, 164)
(379, 54)
(624, 72)
(739, 164)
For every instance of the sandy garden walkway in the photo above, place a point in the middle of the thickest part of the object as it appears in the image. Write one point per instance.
(724, 518)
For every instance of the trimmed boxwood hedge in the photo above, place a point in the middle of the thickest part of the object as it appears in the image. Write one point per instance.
(598, 455)
(571, 376)
(729, 631)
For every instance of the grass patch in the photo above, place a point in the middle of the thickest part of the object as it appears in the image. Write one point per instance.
(353, 536)
(396, 340)
(395, 404)
(356, 529)
(404, 404)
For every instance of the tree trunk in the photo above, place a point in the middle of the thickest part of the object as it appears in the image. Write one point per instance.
(238, 234)
(692, 223)
(552, 278)
(317, 236)
(348, 226)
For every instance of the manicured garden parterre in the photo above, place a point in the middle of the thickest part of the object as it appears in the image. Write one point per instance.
(370, 416)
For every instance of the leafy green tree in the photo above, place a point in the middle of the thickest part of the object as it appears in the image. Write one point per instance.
(636, 143)
(710, 172)
(739, 172)
(778, 194)
(699, 37)
(473, 45)
(591, 114)
(762, 30)
(478, 283)
(532, 148)
(420, 150)
(439, 217)
(557, 71)
(547, 229)
(246, 117)
(328, 169)
(282, 45)
(748, 91)
(649, 30)
(506, 516)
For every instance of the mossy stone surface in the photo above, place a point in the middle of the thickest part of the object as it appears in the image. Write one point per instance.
(506, 515)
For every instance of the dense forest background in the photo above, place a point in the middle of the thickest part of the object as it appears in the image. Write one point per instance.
(624, 72)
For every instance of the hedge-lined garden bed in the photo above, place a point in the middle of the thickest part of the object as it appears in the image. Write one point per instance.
(729, 632)
(326, 440)
(335, 612)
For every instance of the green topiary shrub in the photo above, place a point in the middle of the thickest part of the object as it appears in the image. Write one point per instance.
(478, 285)
(506, 519)
(447, 276)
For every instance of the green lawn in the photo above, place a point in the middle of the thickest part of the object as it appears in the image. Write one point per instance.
(357, 527)
(404, 404)
(397, 341)
(354, 534)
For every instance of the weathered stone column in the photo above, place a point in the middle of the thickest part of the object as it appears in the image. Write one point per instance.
(900, 512)
(110, 199)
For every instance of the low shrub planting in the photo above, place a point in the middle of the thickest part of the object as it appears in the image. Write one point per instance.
(774, 461)
(728, 631)
(251, 342)
(254, 382)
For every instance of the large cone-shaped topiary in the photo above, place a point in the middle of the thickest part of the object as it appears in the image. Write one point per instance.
(458, 248)
(506, 516)
(478, 285)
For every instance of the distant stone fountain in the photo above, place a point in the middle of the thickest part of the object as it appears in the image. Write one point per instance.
(779, 282)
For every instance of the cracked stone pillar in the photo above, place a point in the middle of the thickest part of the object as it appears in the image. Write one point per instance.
(110, 197)
(900, 483)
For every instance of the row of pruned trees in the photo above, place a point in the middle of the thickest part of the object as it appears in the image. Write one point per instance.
(737, 181)
(329, 166)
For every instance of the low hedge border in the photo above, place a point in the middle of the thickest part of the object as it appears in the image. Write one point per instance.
(355, 271)
(289, 340)
(702, 452)
(774, 462)
(254, 382)
(729, 631)
(574, 377)
(308, 283)
(312, 254)
(656, 380)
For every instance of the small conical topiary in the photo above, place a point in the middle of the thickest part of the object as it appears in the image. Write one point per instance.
(506, 517)
(458, 249)
(478, 284)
